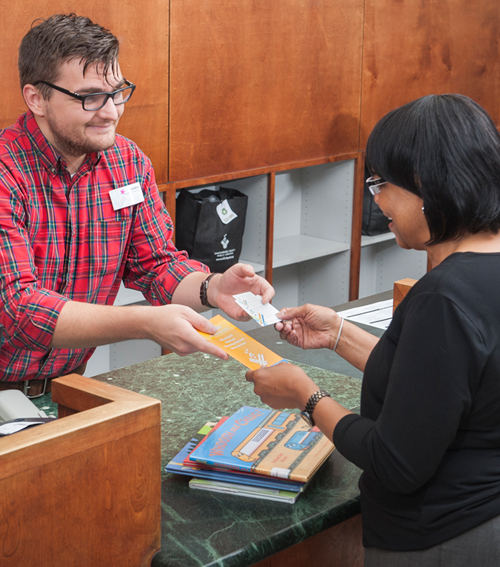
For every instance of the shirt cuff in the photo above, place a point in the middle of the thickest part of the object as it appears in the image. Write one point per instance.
(38, 321)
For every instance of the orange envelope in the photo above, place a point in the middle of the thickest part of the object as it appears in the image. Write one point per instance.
(240, 346)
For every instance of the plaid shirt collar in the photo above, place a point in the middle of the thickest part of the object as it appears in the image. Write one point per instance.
(48, 155)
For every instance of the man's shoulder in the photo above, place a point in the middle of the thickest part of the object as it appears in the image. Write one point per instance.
(13, 133)
(14, 144)
(123, 143)
(126, 152)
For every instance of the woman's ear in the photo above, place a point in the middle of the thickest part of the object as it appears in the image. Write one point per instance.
(34, 100)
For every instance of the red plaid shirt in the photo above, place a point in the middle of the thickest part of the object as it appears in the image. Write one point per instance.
(61, 240)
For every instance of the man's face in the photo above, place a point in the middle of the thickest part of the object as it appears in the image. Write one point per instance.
(76, 132)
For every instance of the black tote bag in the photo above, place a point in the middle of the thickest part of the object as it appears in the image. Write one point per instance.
(210, 224)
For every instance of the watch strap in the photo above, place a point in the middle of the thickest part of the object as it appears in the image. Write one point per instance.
(204, 292)
(313, 400)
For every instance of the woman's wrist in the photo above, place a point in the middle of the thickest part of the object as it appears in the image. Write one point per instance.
(336, 335)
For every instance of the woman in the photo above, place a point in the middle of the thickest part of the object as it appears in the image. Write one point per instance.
(428, 437)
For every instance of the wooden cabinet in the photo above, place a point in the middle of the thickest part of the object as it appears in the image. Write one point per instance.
(411, 49)
(258, 84)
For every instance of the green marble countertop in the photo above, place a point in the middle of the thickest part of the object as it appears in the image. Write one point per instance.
(227, 530)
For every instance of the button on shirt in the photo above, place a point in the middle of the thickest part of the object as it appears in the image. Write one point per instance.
(61, 240)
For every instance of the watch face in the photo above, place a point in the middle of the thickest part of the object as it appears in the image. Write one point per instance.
(307, 418)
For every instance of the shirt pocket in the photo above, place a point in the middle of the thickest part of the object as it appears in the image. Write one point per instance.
(104, 247)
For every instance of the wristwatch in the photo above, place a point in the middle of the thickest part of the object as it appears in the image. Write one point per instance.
(204, 292)
(311, 404)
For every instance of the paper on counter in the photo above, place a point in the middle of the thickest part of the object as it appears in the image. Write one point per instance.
(264, 314)
(375, 314)
(14, 426)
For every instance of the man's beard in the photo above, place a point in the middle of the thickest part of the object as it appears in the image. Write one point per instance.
(75, 145)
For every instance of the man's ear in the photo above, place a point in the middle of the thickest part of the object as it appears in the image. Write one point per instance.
(34, 100)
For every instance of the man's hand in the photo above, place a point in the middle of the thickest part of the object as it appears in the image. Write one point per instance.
(238, 279)
(175, 327)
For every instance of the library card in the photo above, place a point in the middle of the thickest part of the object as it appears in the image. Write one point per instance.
(264, 314)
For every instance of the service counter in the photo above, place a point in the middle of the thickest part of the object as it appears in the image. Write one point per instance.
(198, 528)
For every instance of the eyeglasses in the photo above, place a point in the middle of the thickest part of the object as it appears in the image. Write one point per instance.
(374, 184)
(96, 101)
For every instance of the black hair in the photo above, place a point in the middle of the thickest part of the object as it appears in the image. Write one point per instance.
(446, 150)
(62, 38)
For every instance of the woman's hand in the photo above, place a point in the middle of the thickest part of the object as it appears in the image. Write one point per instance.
(283, 385)
(309, 326)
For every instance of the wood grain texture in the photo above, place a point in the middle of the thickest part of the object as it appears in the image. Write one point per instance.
(142, 29)
(271, 194)
(412, 49)
(357, 221)
(85, 489)
(257, 84)
(401, 288)
(338, 546)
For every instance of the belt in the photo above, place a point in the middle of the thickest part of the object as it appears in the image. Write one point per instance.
(30, 388)
(36, 388)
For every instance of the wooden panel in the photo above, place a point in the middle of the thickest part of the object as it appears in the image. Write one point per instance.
(142, 29)
(338, 546)
(401, 288)
(262, 83)
(85, 489)
(412, 49)
(271, 194)
(357, 221)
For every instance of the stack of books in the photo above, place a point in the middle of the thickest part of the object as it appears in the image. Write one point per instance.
(256, 452)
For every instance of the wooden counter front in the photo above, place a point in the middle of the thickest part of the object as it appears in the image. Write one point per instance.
(85, 489)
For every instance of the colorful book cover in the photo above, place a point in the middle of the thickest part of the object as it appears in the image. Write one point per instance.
(180, 465)
(243, 490)
(266, 442)
(241, 346)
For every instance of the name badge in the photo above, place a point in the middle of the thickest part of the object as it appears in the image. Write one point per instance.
(126, 196)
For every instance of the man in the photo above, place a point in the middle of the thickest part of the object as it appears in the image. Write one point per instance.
(80, 212)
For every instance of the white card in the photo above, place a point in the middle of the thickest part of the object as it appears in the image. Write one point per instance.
(264, 314)
(226, 214)
(126, 196)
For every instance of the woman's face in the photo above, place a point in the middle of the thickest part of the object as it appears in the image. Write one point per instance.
(407, 219)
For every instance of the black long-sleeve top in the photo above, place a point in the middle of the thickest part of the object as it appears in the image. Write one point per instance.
(428, 436)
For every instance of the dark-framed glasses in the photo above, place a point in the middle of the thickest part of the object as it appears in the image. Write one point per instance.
(374, 184)
(96, 101)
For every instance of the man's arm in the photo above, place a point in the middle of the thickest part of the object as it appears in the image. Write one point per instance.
(174, 327)
(221, 288)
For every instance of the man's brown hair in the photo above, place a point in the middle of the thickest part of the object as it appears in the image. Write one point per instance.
(62, 38)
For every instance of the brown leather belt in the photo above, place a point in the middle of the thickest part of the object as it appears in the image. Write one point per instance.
(30, 388)
(35, 388)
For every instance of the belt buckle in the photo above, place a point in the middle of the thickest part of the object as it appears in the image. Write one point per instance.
(26, 388)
